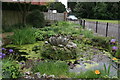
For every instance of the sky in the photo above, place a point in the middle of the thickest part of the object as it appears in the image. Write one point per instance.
(64, 2)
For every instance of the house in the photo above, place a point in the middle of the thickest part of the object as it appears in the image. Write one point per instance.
(34, 2)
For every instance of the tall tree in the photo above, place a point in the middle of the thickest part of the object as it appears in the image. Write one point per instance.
(57, 6)
(100, 10)
(84, 9)
(97, 10)
(71, 5)
(112, 10)
(24, 8)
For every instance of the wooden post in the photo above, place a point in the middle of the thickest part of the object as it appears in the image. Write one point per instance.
(119, 32)
(80, 22)
(96, 26)
(1, 39)
(118, 71)
(83, 24)
(65, 16)
(107, 30)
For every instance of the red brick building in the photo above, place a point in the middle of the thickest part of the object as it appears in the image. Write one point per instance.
(36, 2)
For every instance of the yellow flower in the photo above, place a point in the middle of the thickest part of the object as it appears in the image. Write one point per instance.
(114, 58)
(97, 72)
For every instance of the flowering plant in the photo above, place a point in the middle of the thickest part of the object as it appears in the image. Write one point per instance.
(10, 53)
(115, 49)
(97, 72)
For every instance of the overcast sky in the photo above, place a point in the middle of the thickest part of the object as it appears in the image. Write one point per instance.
(64, 2)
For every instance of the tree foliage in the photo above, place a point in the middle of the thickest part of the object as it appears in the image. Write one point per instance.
(57, 6)
(24, 8)
(71, 5)
(97, 10)
(36, 19)
(15, 6)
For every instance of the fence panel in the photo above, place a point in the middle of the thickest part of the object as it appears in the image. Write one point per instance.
(54, 16)
(11, 17)
(101, 28)
(113, 30)
(14, 17)
(90, 25)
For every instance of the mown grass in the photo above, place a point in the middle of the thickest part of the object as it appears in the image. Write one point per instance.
(105, 21)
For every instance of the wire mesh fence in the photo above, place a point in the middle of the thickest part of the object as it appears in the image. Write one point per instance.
(104, 29)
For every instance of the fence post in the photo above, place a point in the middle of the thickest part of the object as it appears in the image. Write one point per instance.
(118, 32)
(1, 30)
(80, 22)
(118, 71)
(107, 30)
(65, 16)
(83, 24)
(96, 26)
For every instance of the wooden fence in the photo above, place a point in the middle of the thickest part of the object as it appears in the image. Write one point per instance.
(11, 17)
(54, 16)
(14, 17)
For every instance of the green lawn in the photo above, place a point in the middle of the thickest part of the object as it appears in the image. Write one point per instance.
(109, 21)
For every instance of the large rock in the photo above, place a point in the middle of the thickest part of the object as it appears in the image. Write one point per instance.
(59, 48)
(71, 45)
(58, 40)
(62, 42)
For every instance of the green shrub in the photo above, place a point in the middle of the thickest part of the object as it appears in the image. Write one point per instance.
(36, 19)
(46, 29)
(65, 28)
(7, 28)
(10, 69)
(23, 36)
(87, 33)
(39, 35)
(101, 41)
(50, 33)
(51, 68)
(117, 54)
(44, 33)
(11, 28)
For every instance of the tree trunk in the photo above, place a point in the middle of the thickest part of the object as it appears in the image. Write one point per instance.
(24, 11)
